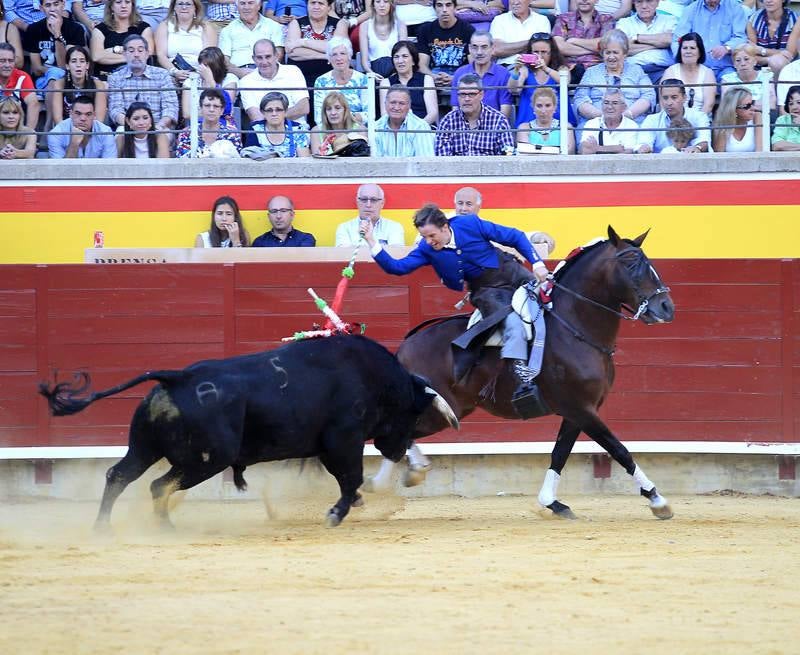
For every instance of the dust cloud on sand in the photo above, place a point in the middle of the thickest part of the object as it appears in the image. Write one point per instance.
(428, 575)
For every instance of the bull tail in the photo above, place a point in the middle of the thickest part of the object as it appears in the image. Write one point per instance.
(65, 398)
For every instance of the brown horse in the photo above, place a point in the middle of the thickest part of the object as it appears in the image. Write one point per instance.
(578, 370)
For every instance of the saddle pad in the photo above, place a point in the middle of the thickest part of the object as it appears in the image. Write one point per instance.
(519, 303)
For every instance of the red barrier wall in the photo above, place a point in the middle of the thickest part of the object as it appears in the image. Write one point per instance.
(727, 369)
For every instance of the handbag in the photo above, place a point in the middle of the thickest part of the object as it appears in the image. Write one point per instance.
(356, 148)
(181, 64)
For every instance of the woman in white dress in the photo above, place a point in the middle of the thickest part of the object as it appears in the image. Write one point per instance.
(382, 31)
(734, 128)
(701, 85)
(184, 32)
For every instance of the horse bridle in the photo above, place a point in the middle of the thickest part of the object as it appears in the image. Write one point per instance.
(644, 301)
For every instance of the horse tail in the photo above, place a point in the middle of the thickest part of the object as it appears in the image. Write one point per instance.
(64, 399)
(435, 321)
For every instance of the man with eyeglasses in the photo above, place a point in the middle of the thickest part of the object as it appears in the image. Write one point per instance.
(493, 76)
(369, 199)
(653, 136)
(513, 29)
(280, 212)
(472, 128)
(650, 37)
(612, 132)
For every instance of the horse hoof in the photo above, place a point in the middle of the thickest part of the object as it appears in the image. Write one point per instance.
(660, 508)
(102, 529)
(358, 502)
(332, 519)
(561, 510)
(415, 475)
(369, 486)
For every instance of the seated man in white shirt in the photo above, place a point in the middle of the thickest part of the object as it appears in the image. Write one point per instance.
(236, 40)
(650, 37)
(653, 136)
(612, 132)
(370, 199)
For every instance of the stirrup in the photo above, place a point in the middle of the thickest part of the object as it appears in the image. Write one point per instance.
(528, 402)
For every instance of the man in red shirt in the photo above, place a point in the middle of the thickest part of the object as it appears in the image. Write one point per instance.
(16, 82)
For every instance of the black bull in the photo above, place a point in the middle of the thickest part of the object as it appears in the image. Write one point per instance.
(318, 398)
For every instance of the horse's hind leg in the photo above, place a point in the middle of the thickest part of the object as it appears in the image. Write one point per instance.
(119, 476)
(567, 435)
(598, 431)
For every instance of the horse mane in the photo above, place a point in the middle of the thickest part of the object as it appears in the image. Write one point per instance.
(578, 254)
(435, 321)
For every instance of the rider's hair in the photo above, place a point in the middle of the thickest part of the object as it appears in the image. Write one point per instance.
(430, 214)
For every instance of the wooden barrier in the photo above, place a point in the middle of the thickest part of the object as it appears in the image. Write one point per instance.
(727, 371)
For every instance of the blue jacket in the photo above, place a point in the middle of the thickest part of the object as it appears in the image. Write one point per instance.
(473, 252)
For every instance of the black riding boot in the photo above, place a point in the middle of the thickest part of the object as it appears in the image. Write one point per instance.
(527, 399)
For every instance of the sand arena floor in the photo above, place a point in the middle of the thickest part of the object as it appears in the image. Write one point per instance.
(429, 575)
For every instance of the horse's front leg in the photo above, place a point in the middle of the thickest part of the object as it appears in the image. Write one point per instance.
(418, 467)
(597, 430)
(548, 494)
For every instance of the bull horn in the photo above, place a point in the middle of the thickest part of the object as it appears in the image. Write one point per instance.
(444, 408)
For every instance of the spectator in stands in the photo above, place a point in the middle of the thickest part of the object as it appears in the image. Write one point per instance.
(377, 36)
(790, 75)
(613, 132)
(307, 37)
(121, 20)
(23, 13)
(467, 200)
(226, 229)
(472, 128)
(721, 24)
(787, 128)
(653, 136)
(442, 44)
(17, 83)
(747, 76)
(424, 103)
(237, 41)
(280, 212)
(9, 33)
(773, 35)
(615, 71)
(78, 81)
(544, 71)
(544, 130)
(19, 141)
(414, 13)
(650, 38)
(284, 12)
(512, 31)
(221, 13)
(46, 42)
(81, 136)
(369, 200)
(212, 74)
(353, 13)
(273, 76)
(350, 82)
(153, 12)
(335, 131)
(88, 13)
(493, 76)
(138, 81)
(734, 127)
(276, 133)
(691, 71)
(181, 37)
(577, 35)
(399, 133)
(211, 128)
(481, 13)
(680, 136)
(139, 141)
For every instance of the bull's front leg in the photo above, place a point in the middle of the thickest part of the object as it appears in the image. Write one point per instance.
(349, 473)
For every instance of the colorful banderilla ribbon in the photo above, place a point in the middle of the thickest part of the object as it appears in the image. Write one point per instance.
(333, 317)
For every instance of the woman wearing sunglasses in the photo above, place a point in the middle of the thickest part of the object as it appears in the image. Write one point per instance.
(735, 128)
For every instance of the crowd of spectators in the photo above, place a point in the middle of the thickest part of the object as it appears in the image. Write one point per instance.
(291, 78)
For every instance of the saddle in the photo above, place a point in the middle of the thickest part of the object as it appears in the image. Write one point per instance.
(519, 304)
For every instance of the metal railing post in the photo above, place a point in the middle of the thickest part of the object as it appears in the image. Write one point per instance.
(563, 111)
(371, 110)
(766, 84)
(194, 114)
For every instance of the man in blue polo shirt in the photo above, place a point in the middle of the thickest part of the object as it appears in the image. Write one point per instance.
(461, 253)
(494, 77)
(280, 211)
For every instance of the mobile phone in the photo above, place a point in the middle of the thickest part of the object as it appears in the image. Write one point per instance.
(530, 59)
(287, 11)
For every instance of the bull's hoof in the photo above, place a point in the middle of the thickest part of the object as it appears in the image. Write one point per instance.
(332, 519)
(415, 475)
(561, 510)
(358, 502)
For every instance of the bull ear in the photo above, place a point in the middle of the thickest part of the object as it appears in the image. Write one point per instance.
(613, 237)
(638, 241)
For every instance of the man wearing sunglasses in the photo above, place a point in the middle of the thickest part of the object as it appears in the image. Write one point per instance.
(369, 199)
(654, 137)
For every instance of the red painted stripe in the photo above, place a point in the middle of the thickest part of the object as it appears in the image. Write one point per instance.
(400, 195)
